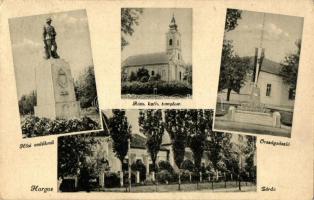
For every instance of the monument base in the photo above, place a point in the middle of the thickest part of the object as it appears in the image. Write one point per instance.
(55, 91)
(67, 110)
(251, 117)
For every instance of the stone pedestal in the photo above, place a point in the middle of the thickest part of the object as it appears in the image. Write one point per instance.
(55, 90)
(255, 94)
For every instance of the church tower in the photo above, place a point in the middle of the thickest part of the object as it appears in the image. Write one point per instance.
(174, 41)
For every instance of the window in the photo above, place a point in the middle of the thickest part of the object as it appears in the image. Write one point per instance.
(177, 42)
(178, 56)
(180, 76)
(268, 90)
(170, 42)
(291, 94)
(163, 73)
(153, 73)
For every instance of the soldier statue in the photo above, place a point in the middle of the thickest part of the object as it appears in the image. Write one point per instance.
(49, 37)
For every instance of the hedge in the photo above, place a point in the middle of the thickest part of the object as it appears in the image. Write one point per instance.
(163, 88)
(34, 126)
(112, 180)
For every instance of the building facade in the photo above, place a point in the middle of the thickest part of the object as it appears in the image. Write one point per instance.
(169, 64)
(273, 90)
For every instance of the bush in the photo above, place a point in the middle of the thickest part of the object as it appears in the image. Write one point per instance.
(132, 77)
(112, 180)
(155, 78)
(164, 176)
(188, 165)
(185, 176)
(34, 126)
(163, 88)
(195, 176)
(165, 165)
(27, 103)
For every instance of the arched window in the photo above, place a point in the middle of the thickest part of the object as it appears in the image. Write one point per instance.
(180, 76)
(170, 42)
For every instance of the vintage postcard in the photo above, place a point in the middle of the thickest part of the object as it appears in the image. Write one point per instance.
(54, 73)
(169, 100)
(258, 73)
(156, 53)
(157, 151)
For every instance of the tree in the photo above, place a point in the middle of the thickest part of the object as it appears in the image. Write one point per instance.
(188, 74)
(290, 65)
(152, 126)
(132, 77)
(176, 127)
(250, 151)
(129, 18)
(232, 17)
(199, 127)
(233, 70)
(72, 151)
(27, 103)
(142, 75)
(85, 87)
(120, 132)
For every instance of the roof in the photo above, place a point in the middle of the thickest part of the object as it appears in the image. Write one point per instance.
(268, 66)
(146, 59)
(139, 142)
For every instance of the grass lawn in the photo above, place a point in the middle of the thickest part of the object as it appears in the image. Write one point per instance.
(188, 187)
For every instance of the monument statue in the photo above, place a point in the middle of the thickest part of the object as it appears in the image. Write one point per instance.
(54, 82)
(49, 38)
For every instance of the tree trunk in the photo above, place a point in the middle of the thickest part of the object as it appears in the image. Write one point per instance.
(121, 172)
(228, 94)
(179, 187)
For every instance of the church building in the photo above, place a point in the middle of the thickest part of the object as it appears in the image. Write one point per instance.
(169, 64)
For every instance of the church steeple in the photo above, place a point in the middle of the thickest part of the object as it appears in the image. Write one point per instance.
(174, 40)
(173, 24)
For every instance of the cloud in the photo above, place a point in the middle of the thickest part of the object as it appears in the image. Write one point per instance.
(271, 31)
(67, 19)
(28, 44)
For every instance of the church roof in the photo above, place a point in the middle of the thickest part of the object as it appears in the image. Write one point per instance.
(146, 59)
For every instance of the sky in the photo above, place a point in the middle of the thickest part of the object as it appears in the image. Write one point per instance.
(73, 41)
(150, 35)
(279, 32)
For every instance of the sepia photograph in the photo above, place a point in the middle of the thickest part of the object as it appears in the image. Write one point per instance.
(157, 151)
(258, 73)
(54, 73)
(156, 53)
